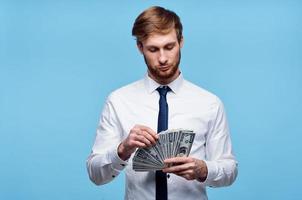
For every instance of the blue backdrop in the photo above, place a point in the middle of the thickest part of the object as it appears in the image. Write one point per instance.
(60, 59)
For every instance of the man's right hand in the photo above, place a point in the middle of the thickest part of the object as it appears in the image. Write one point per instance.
(139, 137)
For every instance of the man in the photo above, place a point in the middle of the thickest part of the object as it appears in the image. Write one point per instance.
(132, 114)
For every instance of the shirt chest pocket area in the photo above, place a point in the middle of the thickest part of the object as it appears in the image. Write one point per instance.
(191, 121)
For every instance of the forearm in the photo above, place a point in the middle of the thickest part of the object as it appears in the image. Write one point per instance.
(104, 168)
(219, 158)
(221, 172)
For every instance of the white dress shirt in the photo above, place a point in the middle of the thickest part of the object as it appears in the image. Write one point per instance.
(190, 107)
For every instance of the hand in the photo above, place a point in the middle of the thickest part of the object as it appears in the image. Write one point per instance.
(139, 137)
(187, 167)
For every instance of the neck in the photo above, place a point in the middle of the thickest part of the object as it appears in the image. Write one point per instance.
(164, 81)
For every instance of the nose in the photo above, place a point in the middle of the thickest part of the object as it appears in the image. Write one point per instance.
(163, 59)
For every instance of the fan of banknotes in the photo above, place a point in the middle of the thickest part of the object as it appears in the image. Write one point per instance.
(171, 143)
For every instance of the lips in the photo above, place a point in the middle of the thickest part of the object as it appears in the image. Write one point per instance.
(164, 68)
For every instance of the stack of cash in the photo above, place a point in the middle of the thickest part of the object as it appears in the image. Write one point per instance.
(171, 143)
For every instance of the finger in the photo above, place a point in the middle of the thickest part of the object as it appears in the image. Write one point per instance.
(178, 160)
(143, 139)
(148, 137)
(187, 174)
(177, 168)
(184, 172)
(149, 131)
(139, 144)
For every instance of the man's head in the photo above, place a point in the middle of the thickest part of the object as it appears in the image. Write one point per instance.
(159, 38)
(156, 20)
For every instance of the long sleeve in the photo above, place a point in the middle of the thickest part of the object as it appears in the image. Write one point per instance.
(221, 163)
(104, 164)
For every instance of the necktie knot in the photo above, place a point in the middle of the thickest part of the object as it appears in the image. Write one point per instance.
(163, 90)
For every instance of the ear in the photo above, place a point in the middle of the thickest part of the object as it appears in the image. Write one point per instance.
(181, 43)
(140, 47)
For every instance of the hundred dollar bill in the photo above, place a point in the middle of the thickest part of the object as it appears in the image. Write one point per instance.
(171, 143)
(185, 144)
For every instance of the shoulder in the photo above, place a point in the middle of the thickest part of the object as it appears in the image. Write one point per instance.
(199, 93)
(202, 99)
(128, 90)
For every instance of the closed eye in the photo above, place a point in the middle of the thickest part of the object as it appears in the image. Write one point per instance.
(170, 46)
(152, 49)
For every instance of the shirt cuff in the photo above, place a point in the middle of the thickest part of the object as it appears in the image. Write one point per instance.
(117, 163)
(212, 172)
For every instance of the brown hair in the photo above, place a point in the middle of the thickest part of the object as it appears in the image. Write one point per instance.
(156, 20)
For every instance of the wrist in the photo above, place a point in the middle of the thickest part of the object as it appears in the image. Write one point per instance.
(122, 152)
(201, 171)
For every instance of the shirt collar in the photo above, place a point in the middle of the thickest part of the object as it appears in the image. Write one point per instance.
(151, 85)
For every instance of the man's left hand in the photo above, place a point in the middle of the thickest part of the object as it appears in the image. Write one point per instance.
(187, 167)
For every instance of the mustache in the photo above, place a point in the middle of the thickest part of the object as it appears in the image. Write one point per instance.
(168, 64)
(164, 65)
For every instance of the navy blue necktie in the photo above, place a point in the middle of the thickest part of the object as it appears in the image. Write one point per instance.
(162, 125)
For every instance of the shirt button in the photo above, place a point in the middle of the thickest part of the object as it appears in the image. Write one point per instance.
(168, 175)
(113, 176)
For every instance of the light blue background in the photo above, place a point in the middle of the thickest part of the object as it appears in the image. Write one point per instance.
(60, 59)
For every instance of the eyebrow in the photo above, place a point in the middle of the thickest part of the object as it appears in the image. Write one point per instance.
(170, 43)
(154, 46)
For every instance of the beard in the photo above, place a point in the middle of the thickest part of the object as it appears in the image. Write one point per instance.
(166, 75)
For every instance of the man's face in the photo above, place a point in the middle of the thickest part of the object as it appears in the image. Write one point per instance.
(162, 56)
